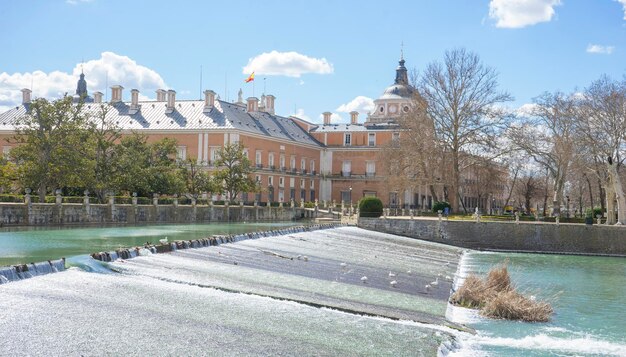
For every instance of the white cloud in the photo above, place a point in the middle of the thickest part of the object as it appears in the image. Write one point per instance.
(76, 2)
(361, 104)
(606, 50)
(521, 13)
(290, 64)
(119, 70)
(300, 114)
(334, 118)
(526, 109)
(623, 2)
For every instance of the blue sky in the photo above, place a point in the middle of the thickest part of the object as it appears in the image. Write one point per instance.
(316, 56)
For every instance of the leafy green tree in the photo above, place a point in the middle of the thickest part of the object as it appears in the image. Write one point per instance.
(147, 168)
(197, 181)
(8, 175)
(103, 151)
(50, 140)
(233, 175)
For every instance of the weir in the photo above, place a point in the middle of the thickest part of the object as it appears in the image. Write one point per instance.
(25, 271)
(128, 253)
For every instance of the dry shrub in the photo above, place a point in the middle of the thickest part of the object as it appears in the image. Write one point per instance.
(497, 298)
(498, 280)
(512, 305)
(471, 294)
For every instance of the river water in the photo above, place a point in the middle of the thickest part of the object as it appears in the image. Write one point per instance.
(587, 294)
(295, 294)
(28, 244)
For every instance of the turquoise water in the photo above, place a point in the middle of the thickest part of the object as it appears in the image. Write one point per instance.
(587, 294)
(25, 245)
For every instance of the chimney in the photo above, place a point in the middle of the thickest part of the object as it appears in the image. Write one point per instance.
(97, 97)
(253, 104)
(269, 103)
(171, 100)
(327, 117)
(26, 95)
(160, 95)
(354, 117)
(116, 93)
(134, 101)
(209, 99)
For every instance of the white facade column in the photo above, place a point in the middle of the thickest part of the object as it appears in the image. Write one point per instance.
(199, 148)
(205, 153)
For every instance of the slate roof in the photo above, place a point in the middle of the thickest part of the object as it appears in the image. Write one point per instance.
(333, 128)
(188, 115)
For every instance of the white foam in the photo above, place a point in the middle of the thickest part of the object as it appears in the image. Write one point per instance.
(542, 342)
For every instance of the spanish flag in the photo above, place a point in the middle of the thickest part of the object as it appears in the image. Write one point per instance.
(249, 79)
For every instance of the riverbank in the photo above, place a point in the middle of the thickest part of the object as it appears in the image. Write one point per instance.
(525, 237)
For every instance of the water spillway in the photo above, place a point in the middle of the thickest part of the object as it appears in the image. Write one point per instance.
(25, 271)
(274, 295)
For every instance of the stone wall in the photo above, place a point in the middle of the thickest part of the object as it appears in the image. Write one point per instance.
(509, 236)
(42, 214)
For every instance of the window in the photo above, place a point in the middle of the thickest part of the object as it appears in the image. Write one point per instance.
(405, 109)
(270, 180)
(302, 183)
(270, 160)
(292, 163)
(312, 184)
(234, 138)
(281, 182)
(214, 154)
(281, 195)
(346, 168)
(369, 194)
(303, 164)
(395, 136)
(370, 168)
(180, 155)
(258, 179)
(381, 109)
(312, 167)
(245, 153)
(347, 139)
(259, 161)
(371, 139)
(282, 161)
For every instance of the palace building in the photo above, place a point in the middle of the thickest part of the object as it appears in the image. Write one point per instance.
(293, 158)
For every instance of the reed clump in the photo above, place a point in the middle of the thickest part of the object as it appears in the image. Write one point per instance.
(496, 297)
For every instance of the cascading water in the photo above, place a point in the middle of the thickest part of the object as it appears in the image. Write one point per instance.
(25, 271)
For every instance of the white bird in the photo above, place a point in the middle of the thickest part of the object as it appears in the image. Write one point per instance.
(408, 272)
(392, 275)
(435, 283)
(364, 279)
(163, 240)
(299, 257)
(427, 286)
(448, 277)
(393, 283)
(343, 265)
(306, 259)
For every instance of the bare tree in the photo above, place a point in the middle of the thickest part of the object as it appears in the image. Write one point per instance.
(528, 189)
(547, 135)
(602, 128)
(416, 159)
(462, 100)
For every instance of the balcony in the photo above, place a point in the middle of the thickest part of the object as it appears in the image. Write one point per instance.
(313, 173)
(283, 169)
(346, 173)
(272, 167)
(370, 174)
(304, 171)
(259, 166)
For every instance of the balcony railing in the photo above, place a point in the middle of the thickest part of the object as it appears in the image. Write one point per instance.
(346, 173)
